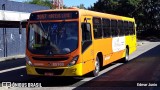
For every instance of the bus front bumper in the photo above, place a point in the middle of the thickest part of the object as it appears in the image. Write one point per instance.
(75, 70)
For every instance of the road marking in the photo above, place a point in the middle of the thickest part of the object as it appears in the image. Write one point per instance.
(11, 69)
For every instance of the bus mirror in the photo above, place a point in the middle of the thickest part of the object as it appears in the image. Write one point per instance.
(86, 27)
(22, 24)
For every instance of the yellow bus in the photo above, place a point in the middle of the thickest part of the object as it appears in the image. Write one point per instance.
(74, 42)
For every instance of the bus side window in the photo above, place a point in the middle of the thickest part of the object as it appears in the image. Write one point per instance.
(97, 28)
(86, 31)
(131, 28)
(120, 28)
(126, 28)
(106, 28)
(114, 28)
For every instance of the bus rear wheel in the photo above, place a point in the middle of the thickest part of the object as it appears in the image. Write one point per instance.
(126, 58)
(97, 67)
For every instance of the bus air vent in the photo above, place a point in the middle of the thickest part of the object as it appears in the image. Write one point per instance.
(50, 59)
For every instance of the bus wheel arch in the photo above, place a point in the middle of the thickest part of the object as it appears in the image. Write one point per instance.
(126, 58)
(100, 56)
(127, 47)
(98, 64)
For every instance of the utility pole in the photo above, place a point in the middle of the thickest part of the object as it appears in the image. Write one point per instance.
(57, 4)
(4, 34)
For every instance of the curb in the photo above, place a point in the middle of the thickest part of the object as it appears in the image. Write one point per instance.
(11, 57)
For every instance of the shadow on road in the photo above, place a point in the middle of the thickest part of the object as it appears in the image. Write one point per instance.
(54, 81)
(143, 69)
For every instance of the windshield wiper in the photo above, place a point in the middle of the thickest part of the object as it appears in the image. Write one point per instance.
(42, 26)
(45, 33)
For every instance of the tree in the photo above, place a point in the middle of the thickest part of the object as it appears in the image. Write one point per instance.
(41, 2)
(120, 7)
(151, 10)
(47, 3)
(146, 12)
(127, 7)
(81, 6)
(106, 6)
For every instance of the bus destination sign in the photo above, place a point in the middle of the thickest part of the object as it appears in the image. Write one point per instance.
(54, 15)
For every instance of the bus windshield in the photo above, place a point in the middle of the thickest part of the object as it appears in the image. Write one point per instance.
(50, 38)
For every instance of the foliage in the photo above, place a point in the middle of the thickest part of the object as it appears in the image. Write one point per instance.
(47, 3)
(146, 12)
(81, 6)
(41, 2)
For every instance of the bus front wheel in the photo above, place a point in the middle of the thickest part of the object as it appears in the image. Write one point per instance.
(97, 67)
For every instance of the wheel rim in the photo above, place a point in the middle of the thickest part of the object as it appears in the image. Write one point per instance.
(127, 55)
(97, 66)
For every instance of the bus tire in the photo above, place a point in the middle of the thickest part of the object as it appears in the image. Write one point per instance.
(126, 58)
(97, 67)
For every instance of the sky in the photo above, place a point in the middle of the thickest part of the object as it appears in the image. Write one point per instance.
(69, 3)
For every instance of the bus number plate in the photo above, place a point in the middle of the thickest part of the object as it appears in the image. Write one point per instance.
(48, 74)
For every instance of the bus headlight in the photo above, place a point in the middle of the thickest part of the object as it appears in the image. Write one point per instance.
(28, 61)
(74, 60)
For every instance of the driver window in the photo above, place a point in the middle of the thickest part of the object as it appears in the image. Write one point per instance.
(86, 32)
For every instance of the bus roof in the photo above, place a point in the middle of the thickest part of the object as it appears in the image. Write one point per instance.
(91, 13)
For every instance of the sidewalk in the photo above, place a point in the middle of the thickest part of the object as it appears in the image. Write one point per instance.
(141, 42)
(11, 57)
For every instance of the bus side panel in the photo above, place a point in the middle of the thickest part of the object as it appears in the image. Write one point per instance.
(118, 48)
(134, 41)
(131, 42)
(131, 39)
(104, 46)
(111, 52)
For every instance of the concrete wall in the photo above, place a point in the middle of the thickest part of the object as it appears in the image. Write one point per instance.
(1, 44)
(21, 7)
(11, 43)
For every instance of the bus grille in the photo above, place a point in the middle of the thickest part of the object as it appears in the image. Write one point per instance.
(54, 71)
(50, 59)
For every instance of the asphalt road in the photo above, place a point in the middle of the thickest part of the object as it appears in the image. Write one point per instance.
(144, 67)
(11, 63)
